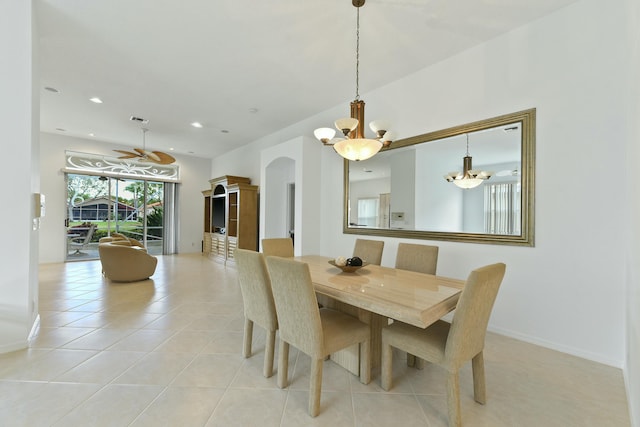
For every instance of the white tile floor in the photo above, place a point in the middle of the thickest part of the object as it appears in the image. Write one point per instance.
(167, 352)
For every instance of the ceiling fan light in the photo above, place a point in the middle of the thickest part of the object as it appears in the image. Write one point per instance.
(357, 149)
(324, 134)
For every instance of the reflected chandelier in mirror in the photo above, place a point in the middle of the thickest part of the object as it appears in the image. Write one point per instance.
(401, 191)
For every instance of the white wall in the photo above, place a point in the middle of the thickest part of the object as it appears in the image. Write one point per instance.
(632, 356)
(194, 175)
(305, 155)
(20, 119)
(568, 292)
(278, 175)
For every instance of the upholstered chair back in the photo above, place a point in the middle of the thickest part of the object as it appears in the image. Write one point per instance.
(469, 326)
(369, 250)
(419, 258)
(281, 246)
(296, 305)
(255, 286)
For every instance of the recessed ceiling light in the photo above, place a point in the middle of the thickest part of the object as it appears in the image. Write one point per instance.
(171, 149)
(92, 134)
(51, 89)
(253, 110)
(196, 124)
(96, 100)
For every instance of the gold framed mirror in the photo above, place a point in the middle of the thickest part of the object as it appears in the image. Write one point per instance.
(412, 188)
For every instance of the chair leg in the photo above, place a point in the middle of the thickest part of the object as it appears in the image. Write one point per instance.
(385, 369)
(479, 386)
(268, 354)
(453, 400)
(411, 360)
(283, 364)
(315, 386)
(248, 336)
(365, 362)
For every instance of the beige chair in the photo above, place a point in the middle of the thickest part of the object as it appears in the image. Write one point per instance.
(422, 259)
(450, 345)
(125, 263)
(419, 258)
(369, 250)
(315, 332)
(259, 308)
(278, 247)
(117, 237)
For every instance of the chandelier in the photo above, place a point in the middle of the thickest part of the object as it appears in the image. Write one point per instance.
(469, 177)
(355, 146)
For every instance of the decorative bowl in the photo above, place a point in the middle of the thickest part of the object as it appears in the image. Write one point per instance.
(348, 268)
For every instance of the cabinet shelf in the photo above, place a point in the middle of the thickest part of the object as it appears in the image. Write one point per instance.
(231, 217)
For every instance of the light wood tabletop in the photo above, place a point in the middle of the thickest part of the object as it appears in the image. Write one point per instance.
(376, 294)
(415, 298)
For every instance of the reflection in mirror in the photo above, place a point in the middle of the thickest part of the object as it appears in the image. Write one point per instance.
(410, 189)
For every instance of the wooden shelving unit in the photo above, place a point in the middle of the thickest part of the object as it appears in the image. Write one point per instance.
(230, 216)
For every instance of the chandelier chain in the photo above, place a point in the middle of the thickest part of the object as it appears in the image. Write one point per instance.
(357, 54)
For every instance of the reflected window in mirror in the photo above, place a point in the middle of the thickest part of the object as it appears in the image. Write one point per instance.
(407, 190)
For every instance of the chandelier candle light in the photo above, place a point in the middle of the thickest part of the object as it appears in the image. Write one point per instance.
(468, 178)
(355, 146)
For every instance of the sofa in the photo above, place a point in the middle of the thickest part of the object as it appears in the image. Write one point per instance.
(123, 262)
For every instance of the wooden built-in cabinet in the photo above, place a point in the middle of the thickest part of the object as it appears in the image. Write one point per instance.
(230, 217)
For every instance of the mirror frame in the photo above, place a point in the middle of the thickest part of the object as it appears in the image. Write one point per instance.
(527, 118)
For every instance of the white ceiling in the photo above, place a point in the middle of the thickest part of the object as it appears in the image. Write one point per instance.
(246, 68)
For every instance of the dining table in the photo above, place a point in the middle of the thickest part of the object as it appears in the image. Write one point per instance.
(378, 295)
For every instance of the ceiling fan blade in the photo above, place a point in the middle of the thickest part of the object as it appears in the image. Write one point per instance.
(151, 156)
(163, 158)
(508, 172)
(127, 154)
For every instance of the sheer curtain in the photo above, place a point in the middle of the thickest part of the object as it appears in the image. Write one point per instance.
(502, 208)
(170, 218)
(368, 212)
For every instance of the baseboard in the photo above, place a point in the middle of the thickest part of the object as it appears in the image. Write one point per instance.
(559, 347)
(8, 348)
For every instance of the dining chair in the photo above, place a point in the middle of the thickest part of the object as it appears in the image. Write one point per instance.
(419, 258)
(259, 307)
(450, 345)
(369, 250)
(315, 332)
(279, 246)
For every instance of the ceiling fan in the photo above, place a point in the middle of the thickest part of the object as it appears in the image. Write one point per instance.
(147, 156)
(508, 172)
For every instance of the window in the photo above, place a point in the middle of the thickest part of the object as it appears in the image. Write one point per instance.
(368, 212)
(502, 208)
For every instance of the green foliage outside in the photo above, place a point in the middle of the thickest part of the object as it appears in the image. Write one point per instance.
(81, 188)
